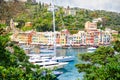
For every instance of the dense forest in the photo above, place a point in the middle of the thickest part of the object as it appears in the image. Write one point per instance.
(41, 17)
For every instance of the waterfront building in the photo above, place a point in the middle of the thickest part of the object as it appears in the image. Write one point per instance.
(64, 37)
(113, 34)
(36, 38)
(79, 38)
(96, 36)
(107, 38)
(104, 37)
(43, 38)
(49, 36)
(91, 33)
(90, 36)
(58, 37)
(25, 37)
(76, 39)
(82, 37)
(70, 39)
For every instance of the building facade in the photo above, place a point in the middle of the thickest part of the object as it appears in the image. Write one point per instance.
(90, 36)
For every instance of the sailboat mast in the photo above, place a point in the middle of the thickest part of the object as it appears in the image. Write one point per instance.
(53, 13)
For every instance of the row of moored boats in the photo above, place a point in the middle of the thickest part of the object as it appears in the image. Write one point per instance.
(50, 62)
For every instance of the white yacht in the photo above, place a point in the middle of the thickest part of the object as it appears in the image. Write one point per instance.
(51, 64)
(91, 49)
(47, 63)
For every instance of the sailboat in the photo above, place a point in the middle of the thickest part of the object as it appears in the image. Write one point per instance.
(61, 58)
(51, 62)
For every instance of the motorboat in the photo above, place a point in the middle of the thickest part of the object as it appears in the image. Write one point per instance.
(91, 49)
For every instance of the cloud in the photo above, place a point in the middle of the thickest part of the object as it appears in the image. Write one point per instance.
(110, 5)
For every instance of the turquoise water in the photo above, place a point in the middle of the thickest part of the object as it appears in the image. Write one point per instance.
(69, 71)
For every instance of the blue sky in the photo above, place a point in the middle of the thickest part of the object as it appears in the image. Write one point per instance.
(109, 5)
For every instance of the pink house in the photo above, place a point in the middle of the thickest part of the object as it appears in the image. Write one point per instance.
(92, 33)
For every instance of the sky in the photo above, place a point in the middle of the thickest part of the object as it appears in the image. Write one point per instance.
(109, 5)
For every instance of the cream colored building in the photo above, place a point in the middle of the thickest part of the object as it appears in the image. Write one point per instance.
(36, 38)
(89, 26)
(82, 37)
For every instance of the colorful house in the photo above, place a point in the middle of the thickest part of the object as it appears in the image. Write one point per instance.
(82, 37)
(91, 36)
(64, 37)
(91, 33)
(25, 37)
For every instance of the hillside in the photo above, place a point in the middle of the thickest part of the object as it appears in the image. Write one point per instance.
(41, 18)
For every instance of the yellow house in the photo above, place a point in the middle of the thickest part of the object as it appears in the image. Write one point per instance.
(64, 37)
(43, 39)
(22, 37)
(36, 38)
(25, 37)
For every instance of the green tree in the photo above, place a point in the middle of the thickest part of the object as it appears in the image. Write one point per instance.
(14, 64)
(101, 65)
(116, 45)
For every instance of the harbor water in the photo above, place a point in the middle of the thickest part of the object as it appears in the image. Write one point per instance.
(70, 72)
